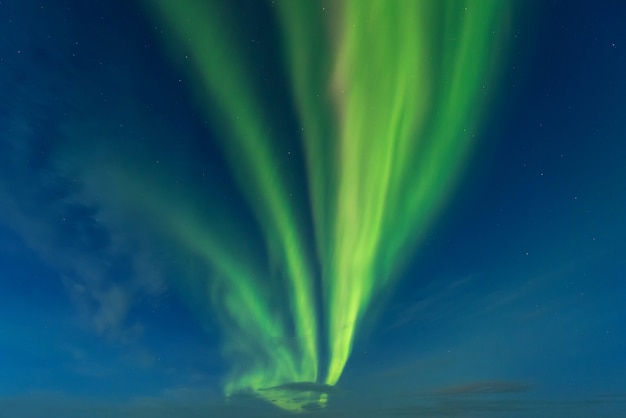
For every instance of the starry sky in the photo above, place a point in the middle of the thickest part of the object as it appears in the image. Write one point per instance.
(336, 208)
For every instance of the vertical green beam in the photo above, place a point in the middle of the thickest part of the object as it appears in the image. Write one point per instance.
(224, 85)
(380, 94)
(306, 45)
(405, 84)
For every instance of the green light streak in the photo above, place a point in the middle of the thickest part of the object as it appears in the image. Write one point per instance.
(389, 97)
(229, 275)
(247, 144)
(405, 88)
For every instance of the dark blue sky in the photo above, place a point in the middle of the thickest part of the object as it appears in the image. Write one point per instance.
(513, 305)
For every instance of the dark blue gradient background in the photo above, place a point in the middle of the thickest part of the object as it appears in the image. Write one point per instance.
(515, 305)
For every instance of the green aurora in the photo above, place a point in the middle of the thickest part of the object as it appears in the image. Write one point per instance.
(389, 94)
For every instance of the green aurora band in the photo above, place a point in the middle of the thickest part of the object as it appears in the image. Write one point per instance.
(405, 85)
(389, 94)
(259, 328)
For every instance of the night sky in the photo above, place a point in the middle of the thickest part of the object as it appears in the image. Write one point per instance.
(337, 208)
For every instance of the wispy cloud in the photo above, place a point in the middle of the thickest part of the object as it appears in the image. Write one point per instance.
(305, 387)
(487, 387)
(198, 403)
(45, 199)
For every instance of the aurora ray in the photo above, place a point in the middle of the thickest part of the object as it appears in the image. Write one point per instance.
(220, 71)
(389, 97)
(405, 85)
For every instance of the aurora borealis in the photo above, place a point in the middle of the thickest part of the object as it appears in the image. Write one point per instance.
(388, 115)
(273, 208)
(401, 138)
